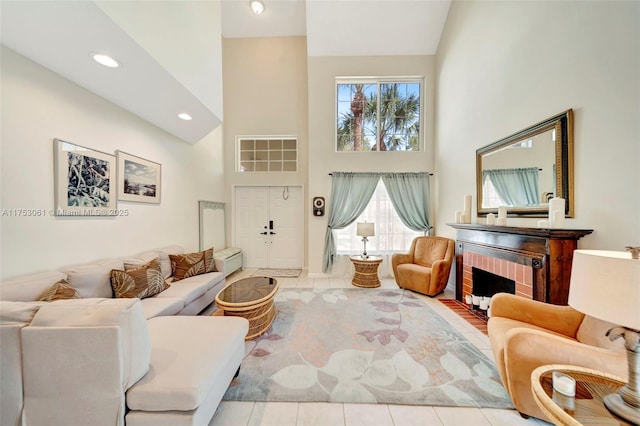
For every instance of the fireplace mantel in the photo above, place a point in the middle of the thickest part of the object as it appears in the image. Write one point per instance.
(547, 253)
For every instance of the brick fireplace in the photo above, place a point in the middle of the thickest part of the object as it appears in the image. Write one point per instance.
(521, 274)
(538, 260)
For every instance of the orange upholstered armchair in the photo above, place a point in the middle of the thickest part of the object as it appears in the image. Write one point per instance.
(526, 334)
(426, 267)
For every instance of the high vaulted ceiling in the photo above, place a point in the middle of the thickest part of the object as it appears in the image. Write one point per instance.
(165, 47)
(344, 27)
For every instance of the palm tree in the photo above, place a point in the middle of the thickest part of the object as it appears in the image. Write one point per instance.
(399, 120)
(357, 108)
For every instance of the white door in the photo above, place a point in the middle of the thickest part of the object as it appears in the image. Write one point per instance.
(269, 226)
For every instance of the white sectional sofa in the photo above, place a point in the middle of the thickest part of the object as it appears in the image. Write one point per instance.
(104, 361)
(188, 297)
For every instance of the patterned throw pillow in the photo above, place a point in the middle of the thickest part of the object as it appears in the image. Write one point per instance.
(141, 282)
(59, 291)
(190, 264)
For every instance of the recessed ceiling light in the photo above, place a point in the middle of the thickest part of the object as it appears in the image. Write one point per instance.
(105, 60)
(257, 6)
(184, 116)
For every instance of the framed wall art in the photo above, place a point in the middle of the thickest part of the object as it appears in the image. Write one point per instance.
(138, 179)
(84, 181)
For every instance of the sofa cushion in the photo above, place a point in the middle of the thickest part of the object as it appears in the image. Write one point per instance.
(29, 287)
(127, 314)
(165, 262)
(143, 281)
(93, 279)
(59, 291)
(140, 259)
(209, 280)
(18, 312)
(161, 306)
(186, 366)
(190, 264)
(188, 289)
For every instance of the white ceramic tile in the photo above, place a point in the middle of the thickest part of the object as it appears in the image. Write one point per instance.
(454, 416)
(338, 282)
(506, 418)
(274, 414)
(413, 415)
(232, 413)
(367, 415)
(320, 414)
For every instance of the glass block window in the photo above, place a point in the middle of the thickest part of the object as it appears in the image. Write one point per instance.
(267, 154)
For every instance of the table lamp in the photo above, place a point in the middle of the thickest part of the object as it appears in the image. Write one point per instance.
(365, 230)
(606, 285)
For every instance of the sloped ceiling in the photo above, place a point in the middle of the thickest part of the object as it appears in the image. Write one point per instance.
(170, 51)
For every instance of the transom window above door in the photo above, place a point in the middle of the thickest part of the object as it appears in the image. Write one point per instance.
(378, 114)
(267, 154)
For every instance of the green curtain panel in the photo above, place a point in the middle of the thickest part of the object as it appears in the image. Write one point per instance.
(350, 195)
(410, 194)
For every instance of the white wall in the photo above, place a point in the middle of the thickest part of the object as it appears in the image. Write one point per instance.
(323, 157)
(38, 106)
(503, 66)
(265, 93)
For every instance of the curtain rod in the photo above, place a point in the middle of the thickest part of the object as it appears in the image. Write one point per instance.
(430, 174)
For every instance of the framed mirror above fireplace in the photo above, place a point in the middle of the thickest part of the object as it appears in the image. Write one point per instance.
(526, 169)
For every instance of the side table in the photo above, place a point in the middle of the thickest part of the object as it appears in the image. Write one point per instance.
(366, 274)
(587, 407)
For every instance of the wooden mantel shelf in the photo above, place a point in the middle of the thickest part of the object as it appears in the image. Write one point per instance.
(549, 252)
(536, 232)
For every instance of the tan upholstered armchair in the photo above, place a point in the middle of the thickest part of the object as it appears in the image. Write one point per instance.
(526, 334)
(426, 267)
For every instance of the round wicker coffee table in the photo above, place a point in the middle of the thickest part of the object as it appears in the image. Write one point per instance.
(366, 274)
(250, 298)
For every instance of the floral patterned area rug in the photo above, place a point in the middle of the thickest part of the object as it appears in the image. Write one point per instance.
(364, 346)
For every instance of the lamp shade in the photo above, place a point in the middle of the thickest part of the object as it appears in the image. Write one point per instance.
(606, 285)
(366, 229)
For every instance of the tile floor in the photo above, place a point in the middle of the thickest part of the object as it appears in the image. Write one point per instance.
(241, 413)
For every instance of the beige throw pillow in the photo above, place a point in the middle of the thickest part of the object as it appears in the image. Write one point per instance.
(141, 282)
(190, 264)
(61, 290)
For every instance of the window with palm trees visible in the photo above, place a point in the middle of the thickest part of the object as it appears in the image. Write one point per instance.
(378, 115)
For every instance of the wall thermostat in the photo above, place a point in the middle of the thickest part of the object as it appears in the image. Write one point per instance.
(318, 206)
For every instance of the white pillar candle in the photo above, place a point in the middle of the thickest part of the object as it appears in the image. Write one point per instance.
(475, 299)
(502, 212)
(458, 216)
(468, 299)
(467, 208)
(501, 221)
(463, 218)
(558, 219)
(564, 384)
(484, 304)
(555, 204)
(491, 219)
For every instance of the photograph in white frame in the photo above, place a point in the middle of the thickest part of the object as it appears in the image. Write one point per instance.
(138, 179)
(84, 181)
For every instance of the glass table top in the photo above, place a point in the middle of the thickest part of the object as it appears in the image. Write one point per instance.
(247, 290)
